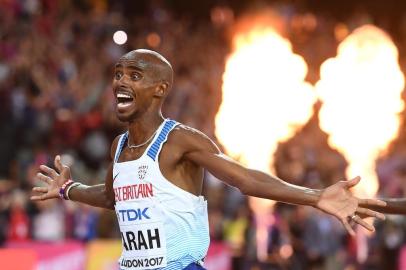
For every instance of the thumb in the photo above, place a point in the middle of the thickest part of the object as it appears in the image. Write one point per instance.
(351, 183)
(58, 163)
(64, 170)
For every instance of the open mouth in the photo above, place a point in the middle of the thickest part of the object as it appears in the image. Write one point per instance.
(124, 99)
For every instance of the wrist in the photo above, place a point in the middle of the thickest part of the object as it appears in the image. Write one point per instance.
(69, 188)
(63, 188)
(66, 187)
(316, 195)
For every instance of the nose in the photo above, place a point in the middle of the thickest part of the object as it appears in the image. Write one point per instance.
(123, 82)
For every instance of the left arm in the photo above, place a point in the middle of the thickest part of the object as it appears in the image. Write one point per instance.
(253, 182)
(336, 200)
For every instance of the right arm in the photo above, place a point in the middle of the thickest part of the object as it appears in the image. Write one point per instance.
(101, 195)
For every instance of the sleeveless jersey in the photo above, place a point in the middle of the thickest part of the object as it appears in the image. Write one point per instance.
(162, 226)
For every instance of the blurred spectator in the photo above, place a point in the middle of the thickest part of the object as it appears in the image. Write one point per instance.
(49, 223)
(19, 223)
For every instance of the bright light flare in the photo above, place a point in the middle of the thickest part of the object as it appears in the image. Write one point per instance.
(361, 93)
(265, 100)
(120, 37)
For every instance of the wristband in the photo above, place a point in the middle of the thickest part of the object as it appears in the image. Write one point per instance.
(75, 184)
(63, 187)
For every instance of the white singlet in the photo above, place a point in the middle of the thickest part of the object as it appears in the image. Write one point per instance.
(162, 226)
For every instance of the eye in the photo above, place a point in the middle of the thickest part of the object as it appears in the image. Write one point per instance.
(118, 75)
(135, 76)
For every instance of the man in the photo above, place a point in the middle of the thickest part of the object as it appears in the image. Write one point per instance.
(155, 180)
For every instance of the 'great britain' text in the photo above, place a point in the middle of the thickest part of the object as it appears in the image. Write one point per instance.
(132, 192)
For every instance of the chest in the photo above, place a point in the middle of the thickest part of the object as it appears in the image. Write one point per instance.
(169, 156)
(168, 162)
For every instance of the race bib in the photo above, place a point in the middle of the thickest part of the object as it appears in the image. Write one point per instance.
(142, 235)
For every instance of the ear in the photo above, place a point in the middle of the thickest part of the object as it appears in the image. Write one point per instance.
(162, 89)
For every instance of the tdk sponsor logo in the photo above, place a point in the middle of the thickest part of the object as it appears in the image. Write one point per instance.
(133, 214)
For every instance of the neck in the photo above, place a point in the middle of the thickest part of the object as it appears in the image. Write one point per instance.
(141, 129)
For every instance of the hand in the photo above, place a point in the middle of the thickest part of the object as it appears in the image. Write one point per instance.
(53, 180)
(338, 201)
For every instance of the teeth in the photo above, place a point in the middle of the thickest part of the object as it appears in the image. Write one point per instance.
(123, 105)
(121, 95)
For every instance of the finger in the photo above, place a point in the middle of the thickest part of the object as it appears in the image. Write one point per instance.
(44, 178)
(363, 223)
(35, 198)
(370, 213)
(40, 197)
(372, 202)
(347, 226)
(352, 182)
(58, 163)
(49, 171)
(40, 189)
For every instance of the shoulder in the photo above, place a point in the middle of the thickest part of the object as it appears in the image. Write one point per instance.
(114, 146)
(190, 139)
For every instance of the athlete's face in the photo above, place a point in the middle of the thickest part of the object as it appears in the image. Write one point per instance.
(134, 87)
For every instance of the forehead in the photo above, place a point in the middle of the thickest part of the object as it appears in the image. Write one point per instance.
(133, 61)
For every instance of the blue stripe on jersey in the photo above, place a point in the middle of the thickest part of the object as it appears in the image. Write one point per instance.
(153, 150)
(122, 141)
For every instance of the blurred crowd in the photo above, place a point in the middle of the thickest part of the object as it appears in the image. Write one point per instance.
(56, 66)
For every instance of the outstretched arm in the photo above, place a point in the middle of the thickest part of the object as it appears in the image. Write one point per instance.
(98, 195)
(393, 206)
(101, 195)
(336, 200)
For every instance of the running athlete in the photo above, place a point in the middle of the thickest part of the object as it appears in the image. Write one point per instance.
(155, 178)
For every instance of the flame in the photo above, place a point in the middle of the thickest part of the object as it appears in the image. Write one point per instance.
(361, 93)
(265, 100)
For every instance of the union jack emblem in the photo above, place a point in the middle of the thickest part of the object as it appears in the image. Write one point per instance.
(142, 171)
